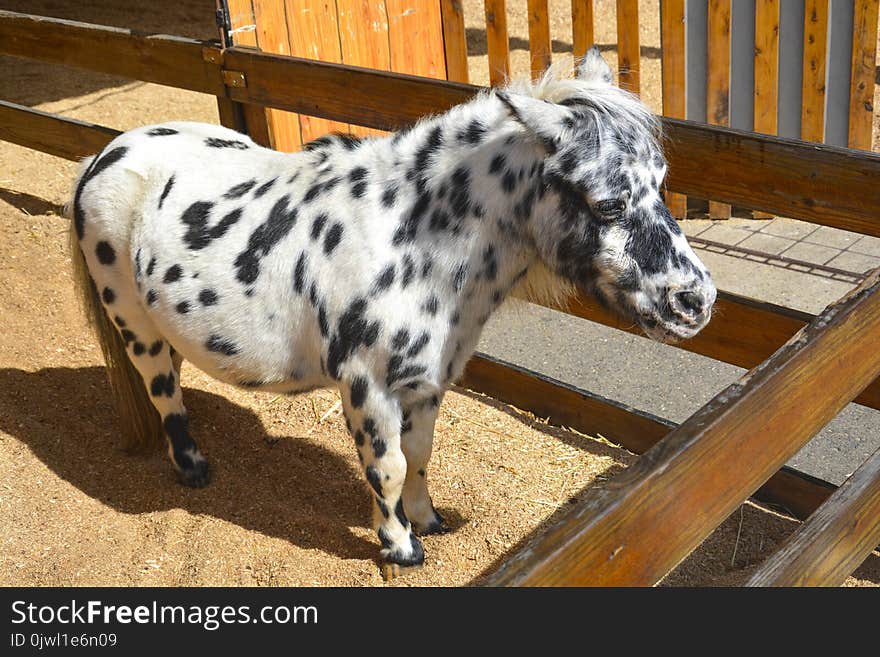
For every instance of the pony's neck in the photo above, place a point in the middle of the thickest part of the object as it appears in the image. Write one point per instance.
(486, 178)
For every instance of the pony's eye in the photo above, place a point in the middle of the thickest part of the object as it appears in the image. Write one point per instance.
(610, 208)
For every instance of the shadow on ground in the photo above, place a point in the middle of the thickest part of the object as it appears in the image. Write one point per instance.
(285, 487)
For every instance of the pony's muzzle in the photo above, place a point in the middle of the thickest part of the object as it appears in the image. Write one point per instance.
(691, 305)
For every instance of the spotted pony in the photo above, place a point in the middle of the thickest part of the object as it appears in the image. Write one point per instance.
(372, 264)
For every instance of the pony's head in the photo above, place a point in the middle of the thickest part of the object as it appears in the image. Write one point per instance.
(602, 223)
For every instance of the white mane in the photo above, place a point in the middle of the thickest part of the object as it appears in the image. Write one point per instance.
(608, 102)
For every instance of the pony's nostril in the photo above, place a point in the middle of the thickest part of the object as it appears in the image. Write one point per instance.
(691, 302)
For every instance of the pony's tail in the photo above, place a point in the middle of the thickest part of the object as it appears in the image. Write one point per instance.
(138, 418)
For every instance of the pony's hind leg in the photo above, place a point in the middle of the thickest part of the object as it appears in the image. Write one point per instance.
(159, 367)
(153, 358)
(139, 361)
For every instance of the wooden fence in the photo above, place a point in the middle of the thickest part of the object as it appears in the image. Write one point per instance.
(803, 70)
(690, 477)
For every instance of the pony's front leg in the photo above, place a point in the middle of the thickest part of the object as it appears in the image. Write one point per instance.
(374, 417)
(417, 436)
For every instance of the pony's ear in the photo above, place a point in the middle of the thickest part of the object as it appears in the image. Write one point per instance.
(547, 121)
(594, 68)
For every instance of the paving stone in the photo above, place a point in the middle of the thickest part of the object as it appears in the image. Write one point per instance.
(693, 227)
(790, 228)
(814, 253)
(766, 243)
(833, 237)
(725, 234)
(855, 262)
(868, 245)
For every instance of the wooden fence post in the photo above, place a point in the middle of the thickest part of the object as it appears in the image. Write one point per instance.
(864, 62)
(628, 52)
(673, 46)
(815, 52)
(718, 79)
(454, 40)
(497, 42)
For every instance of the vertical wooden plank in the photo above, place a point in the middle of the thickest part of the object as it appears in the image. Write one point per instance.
(672, 39)
(314, 34)
(718, 79)
(815, 51)
(415, 38)
(454, 40)
(497, 42)
(864, 62)
(252, 118)
(272, 36)
(766, 70)
(581, 27)
(628, 54)
(539, 36)
(766, 65)
(363, 40)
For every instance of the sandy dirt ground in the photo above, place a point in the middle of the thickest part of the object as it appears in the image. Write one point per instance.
(287, 505)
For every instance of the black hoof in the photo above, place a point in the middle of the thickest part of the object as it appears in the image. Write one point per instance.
(415, 556)
(196, 476)
(436, 526)
(395, 563)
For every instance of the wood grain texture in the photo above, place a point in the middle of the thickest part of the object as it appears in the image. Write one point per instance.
(272, 36)
(813, 182)
(539, 36)
(50, 133)
(766, 65)
(672, 35)
(582, 31)
(718, 79)
(497, 42)
(766, 72)
(833, 541)
(415, 38)
(864, 62)
(316, 37)
(628, 53)
(815, 54)
(454, 40)
(364, 40)
(645, 520)
(169, 60)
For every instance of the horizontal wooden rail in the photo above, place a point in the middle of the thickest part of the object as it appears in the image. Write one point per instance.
(50, 133)
(169, 60)
(823, 184)
(743, 333)
(645, 520)
(832, 543)
(818, 183)
(564, 405)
